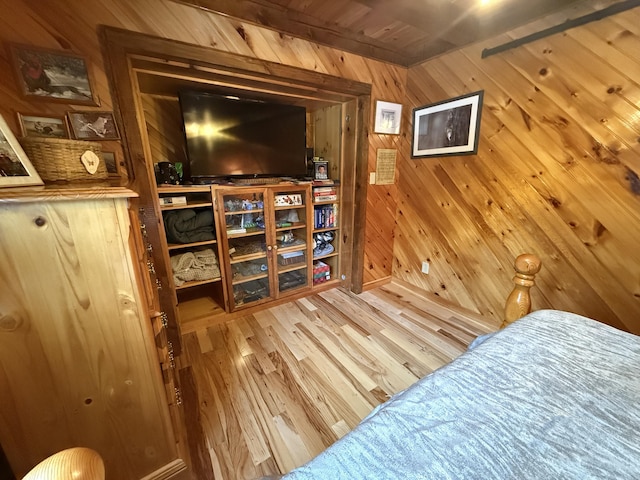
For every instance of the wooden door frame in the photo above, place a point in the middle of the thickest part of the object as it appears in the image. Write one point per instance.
(121, 48)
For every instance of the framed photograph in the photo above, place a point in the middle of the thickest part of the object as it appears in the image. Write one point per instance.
(111, 162)
(388, 117)
(52, 75)
(93, 125)
(15, 168)
(320, 170)
(450, 127)
(41, 126)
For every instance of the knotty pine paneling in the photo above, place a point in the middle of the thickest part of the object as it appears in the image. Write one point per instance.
(164, 128)
(556, 173)
(72, 25)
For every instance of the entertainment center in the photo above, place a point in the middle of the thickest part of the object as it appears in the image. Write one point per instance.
(263, 239)
(242, 229)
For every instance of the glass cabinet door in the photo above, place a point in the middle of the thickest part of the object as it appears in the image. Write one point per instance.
(246, 237)
(291, 240)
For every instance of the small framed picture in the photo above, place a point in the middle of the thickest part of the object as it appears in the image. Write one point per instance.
(52, 75)
(43, 126)
(388, 117)
(450, 127)
(111, 162)
(320, 169)
(15, 168)
(92, 125)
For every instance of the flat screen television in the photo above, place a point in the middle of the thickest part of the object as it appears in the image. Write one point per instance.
(230, 137)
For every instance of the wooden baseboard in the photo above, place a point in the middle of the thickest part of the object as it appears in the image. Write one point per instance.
(432, 297)
(176, 470)
(376, 283)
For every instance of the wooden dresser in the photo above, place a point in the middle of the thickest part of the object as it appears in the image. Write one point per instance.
(79, 362)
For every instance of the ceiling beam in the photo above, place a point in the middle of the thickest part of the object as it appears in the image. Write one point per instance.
(281, 19)
(570, 23)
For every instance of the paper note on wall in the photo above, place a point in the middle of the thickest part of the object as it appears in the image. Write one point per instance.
(386, 166)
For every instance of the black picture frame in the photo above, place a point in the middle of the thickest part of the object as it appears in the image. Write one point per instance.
(320, 170)
(450, 127)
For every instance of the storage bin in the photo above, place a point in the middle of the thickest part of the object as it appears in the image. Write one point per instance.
(59, 159)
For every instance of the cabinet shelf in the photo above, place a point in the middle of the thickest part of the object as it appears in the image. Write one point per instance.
(293, 226)
(245, 234)
(332, 254)
(198, 282)
(293, 248)
(165, 208)
(173, 189)
(292, 268)
(178, 246)
(290, 207)
(243, 212)
(328, 229)
(246, 258)
(238, 280)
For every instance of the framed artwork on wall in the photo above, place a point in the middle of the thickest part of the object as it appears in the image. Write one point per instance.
(111, 162)
(388, 117)
(47, 126)
(52, 75)
(450, 127)
(15, 168)
(92, 125)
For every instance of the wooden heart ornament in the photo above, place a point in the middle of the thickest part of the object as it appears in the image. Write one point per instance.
(90, 161)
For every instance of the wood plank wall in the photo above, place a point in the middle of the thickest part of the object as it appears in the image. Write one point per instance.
(71, 25)
(556, 173)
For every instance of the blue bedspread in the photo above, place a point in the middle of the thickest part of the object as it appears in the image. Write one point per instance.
(553, 396)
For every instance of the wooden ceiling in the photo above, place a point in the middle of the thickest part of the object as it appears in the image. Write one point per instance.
(403, 32)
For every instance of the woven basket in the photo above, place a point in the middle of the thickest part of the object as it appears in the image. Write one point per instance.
(58, 159)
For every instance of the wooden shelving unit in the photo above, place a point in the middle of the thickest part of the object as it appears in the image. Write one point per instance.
(199, 199)
(273, 237)
(264, 245)
(326, 266)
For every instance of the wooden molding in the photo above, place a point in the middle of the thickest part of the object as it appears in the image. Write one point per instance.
(281, 19)
(170, 471)
(377, 283)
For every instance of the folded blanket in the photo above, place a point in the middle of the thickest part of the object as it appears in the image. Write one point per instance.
(194, 266)
(188, 226)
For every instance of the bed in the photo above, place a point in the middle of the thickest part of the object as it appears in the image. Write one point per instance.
(551, 395)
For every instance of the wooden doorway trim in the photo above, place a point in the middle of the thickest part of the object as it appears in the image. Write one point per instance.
(122, 49)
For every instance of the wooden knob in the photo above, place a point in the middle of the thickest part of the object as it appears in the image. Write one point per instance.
(527, 264)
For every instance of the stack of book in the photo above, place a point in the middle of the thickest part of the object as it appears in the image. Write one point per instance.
(325, 216)
(325, 194)
(181, 200)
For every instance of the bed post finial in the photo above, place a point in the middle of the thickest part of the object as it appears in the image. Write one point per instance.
(519, 301)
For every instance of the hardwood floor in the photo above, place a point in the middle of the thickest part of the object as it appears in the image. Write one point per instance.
(267, 392)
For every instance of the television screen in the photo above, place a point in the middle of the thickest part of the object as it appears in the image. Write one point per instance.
(227, 137)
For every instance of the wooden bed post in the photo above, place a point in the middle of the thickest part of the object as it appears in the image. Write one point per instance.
(519, 301)
(78, 463)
